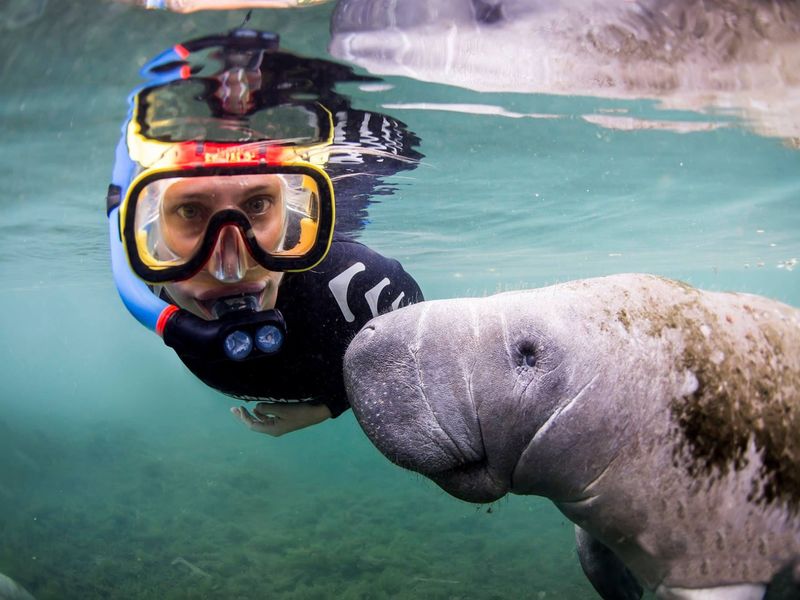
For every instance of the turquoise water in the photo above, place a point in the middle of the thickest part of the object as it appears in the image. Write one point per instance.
(117, 468)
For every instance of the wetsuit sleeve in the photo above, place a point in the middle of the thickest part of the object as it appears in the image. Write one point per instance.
(364, 285)
(371, 285)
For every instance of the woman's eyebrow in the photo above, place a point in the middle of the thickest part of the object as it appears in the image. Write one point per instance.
(189, 196)
(261, 187)
(210, 196)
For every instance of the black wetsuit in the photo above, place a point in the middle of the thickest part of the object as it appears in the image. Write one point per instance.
(324, 308)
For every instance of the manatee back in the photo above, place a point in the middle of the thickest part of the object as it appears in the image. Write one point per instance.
(706, 489)
(741, 352)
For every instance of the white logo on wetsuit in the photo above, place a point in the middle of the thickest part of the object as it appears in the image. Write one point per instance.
(341, 283)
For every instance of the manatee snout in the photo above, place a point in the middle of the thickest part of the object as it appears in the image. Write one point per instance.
(388, 399)
(409, 400)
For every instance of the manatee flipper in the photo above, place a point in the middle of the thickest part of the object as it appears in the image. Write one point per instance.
(604, 570)
(786, 584)
(488, 13)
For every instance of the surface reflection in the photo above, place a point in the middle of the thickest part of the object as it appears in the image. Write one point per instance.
(280, 95)
(718, 58)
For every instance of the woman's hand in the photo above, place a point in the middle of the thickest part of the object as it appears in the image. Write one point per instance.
(277, 419)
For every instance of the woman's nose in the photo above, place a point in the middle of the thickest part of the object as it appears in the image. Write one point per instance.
(228, 261)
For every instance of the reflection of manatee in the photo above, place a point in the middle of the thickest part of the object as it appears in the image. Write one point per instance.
(725, 54)
(662, 420)
(18, 13)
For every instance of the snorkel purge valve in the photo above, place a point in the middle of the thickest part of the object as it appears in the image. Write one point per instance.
(240, 332)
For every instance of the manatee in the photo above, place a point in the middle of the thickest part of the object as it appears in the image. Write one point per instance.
(662, 420)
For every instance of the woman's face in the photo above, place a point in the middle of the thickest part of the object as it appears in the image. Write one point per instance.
(186, 208)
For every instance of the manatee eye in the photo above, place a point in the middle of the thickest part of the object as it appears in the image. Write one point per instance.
(527, 355)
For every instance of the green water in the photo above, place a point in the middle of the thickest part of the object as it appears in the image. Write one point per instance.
(115, 462)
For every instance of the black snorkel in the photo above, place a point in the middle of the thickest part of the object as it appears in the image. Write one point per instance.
(239, 331)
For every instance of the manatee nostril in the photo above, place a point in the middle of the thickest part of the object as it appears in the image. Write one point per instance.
(527, 355)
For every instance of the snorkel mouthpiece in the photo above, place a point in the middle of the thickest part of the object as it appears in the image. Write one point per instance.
(223, 306)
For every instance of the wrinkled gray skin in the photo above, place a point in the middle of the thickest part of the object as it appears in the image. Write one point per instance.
(662, 420)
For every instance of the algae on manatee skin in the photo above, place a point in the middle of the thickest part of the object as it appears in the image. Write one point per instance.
(739, 404)
(748, 387)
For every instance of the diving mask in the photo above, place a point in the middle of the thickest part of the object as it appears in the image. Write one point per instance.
(227, 218)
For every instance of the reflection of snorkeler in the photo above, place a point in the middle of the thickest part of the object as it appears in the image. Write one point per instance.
(187, 6)
(233, 234)
(253, 90)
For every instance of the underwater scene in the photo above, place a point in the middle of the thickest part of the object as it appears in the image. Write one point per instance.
(537, 143)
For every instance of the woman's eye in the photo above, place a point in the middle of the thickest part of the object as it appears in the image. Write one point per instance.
(188, 211)
(259, 204)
